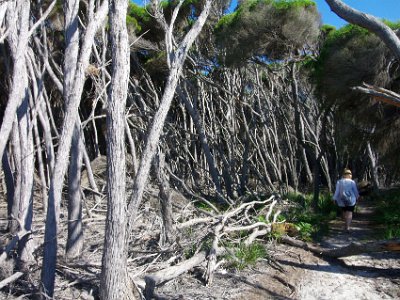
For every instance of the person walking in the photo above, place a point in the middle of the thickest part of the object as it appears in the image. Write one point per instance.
(346, 196)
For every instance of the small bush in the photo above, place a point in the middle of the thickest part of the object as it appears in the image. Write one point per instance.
(311, 224)
(388, 214)
(247, 255)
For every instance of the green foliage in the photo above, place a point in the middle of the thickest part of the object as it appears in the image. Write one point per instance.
(202, 205)
(344, 34)
(388, 214)
(392, 25)
(310, 224)
(306, 230)
(350, 56)
(267, 28)
(190, 252)
(290, 4)
(138, 12)
(246, 255)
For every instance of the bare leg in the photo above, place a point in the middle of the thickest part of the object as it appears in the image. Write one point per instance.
(348, 216)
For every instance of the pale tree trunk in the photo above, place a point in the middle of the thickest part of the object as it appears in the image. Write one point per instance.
(76, 60)
(18, 37)
(176, 60)
(115, 283)
(26, 244)
(384, 32)
(16, 158)
(75, 231)
(168, 230)
(192, 109)
(374, 167)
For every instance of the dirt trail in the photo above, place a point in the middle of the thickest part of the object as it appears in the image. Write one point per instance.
(372, 276)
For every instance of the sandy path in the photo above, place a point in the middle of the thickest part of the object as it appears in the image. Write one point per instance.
(373, 276)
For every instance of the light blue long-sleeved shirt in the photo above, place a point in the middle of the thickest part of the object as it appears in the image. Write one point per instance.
(348, 185)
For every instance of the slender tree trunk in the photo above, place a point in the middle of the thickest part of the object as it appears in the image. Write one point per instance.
(18, 24)
(374, 168)
(204, 142)
(25, 214)
(114, 280)
(16, 153)
(75, 64)
(75, 231)
(178, 59)
(168, 230)
(9, 179)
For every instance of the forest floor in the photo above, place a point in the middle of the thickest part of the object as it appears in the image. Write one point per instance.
(288, 273)
(294, 273)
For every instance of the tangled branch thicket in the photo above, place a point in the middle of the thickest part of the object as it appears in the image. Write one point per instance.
(244, 120)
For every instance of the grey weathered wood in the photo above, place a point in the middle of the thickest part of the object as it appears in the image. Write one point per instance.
(76, 60)
(115, 284)
(178, 58)
(18, 23)
(10, 279)
(25, 213)
(203, 140)
(75, 230)
(165, 196)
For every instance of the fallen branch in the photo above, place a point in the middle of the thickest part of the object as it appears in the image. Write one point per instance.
(16, 238)
(349, 250)
(219, 226)
(379, 94)
(152, 280)
(10, 279)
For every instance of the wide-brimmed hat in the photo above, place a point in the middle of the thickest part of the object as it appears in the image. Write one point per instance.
(346, 171)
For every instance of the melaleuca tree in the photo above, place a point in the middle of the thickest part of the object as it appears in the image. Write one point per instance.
(272, 29)
(150, 48)
(349, 57)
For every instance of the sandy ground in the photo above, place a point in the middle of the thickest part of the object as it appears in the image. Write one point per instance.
(294, 273)
(289, 273)
(372, 276)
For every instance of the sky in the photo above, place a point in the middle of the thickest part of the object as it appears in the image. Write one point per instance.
(387, 9)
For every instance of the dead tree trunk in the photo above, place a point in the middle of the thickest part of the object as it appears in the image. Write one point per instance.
(9, 179)
(374, 167)
(203, 140)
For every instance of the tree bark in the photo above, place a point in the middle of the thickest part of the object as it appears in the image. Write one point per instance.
(18, 37)
(75, 231)
(9, 179)
(76, 60)
(168, 230)
(374, 167)
(25, 213)
(114, 285)
(178, 59)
